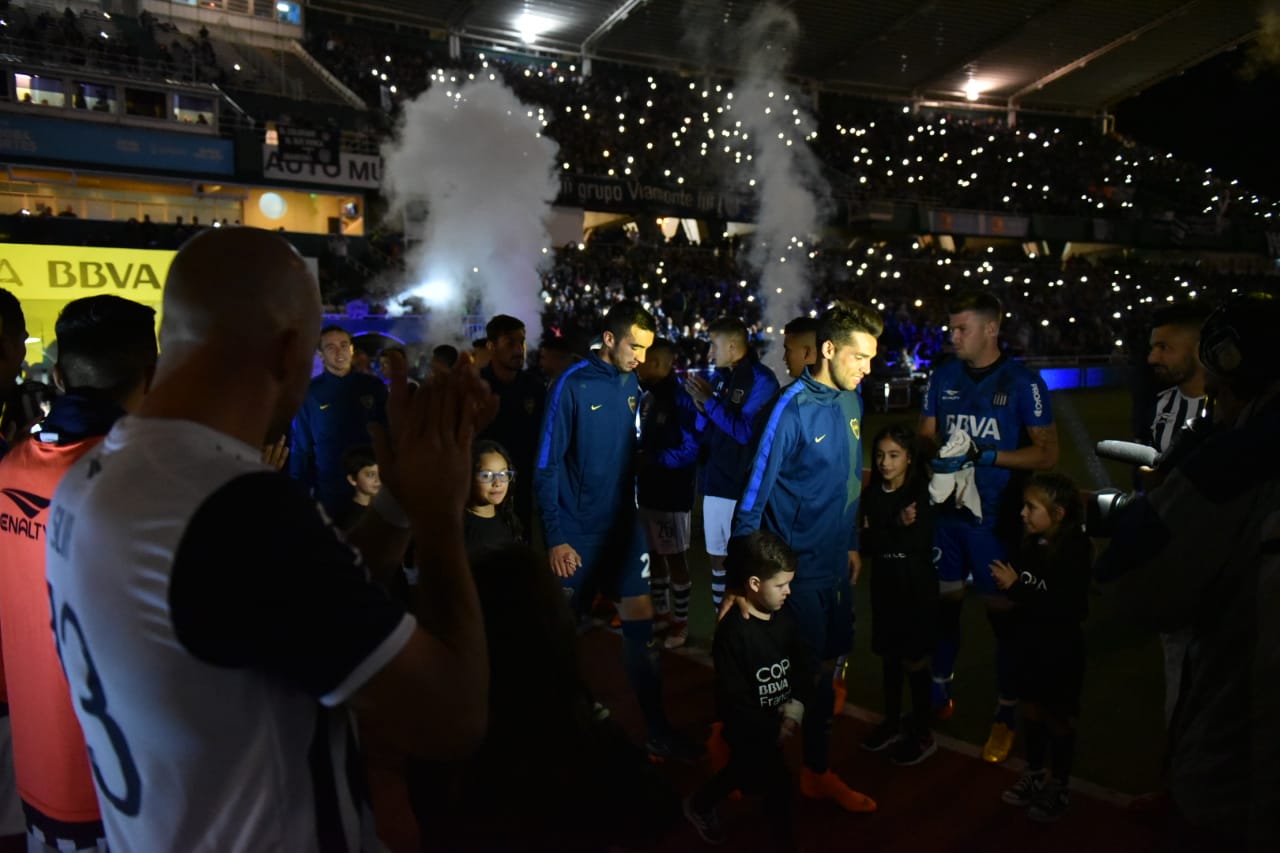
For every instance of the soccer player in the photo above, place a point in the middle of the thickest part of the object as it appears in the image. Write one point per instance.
(1175, 363)
(335, 417)
(521, 396)
(799, 345)
(1004, 408)
(1201, 551)
(804, 484)
(217, 634)
(13, 349)
(740, 389)
(585, 485)
(106, 359)
(669, 442)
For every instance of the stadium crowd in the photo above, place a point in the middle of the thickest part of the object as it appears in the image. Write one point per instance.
(623, 121)
(1078, 308)
(664, 127)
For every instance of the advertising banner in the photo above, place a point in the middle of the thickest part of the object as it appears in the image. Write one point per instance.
(625, 196)
(350, 170)
(35, 138)
(63, 273)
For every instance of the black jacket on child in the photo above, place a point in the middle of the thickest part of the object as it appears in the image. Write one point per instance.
(761, 665)
(1052, 598)
(904, 584)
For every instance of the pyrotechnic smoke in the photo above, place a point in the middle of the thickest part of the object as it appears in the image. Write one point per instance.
(793, 195)
(1264, 53)
(473, 156)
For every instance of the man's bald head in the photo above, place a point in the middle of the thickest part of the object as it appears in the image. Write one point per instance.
(241, 312)
(236, 284)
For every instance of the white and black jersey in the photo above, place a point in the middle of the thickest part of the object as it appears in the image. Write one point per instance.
(1174, 410)
(212, 623)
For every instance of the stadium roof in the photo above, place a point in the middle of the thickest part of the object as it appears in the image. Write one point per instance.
(1070, 55)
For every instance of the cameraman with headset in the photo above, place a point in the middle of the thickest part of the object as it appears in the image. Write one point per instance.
(1201, 552)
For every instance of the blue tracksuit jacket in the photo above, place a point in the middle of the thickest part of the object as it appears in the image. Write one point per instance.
(806, 479)
(585, 475)
(670, 441)
(334, 418)
(741, 393)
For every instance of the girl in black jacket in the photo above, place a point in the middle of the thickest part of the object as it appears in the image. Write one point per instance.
(1050, 586)
(898, 538)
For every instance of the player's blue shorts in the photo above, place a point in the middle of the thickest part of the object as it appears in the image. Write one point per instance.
(962, 547)
(824, 617)
(614, 566)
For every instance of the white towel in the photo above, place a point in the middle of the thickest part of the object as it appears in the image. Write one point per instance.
(962, 482)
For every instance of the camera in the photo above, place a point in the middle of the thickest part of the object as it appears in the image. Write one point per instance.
(1101, 509)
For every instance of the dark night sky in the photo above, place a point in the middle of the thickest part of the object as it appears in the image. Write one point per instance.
(1213, 116)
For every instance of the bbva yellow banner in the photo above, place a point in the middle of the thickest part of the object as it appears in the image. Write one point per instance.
(64, 273)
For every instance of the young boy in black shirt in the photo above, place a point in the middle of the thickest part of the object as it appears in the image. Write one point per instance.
(761, 686)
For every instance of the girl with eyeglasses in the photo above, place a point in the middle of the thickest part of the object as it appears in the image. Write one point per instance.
(491, 518)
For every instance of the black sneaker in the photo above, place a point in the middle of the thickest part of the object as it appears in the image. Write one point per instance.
(706, 823)
(1026, 789)
(672, 746)
(1050, 803)
(883, 736)
(912, 750)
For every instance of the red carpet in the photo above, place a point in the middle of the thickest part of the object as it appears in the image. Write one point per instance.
(951, 802)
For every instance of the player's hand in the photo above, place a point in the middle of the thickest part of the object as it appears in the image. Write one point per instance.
(564, 560)
(730, 601)
(908, 515)
(1004, 574)
(276, 453)
(698, 388)
(982, 457)
(855, 567)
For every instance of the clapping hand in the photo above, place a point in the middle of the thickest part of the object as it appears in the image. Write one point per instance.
(1005, 575)
(424, 456)
(699, 389)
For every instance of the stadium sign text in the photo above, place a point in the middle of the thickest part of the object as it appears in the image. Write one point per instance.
(350, 170)
(612, 194)
(67, 272)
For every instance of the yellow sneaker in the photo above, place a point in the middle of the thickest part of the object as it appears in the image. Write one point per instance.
(999, 744)
(829, 786)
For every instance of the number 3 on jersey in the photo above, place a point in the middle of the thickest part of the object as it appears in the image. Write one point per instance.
(66, 625)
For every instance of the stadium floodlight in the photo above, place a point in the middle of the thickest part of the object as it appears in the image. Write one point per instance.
(530, 26)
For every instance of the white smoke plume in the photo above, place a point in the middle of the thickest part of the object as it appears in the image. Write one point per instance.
(793, 195)
(473, 156)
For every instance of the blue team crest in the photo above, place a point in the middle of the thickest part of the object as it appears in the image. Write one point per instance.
(856, 427)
